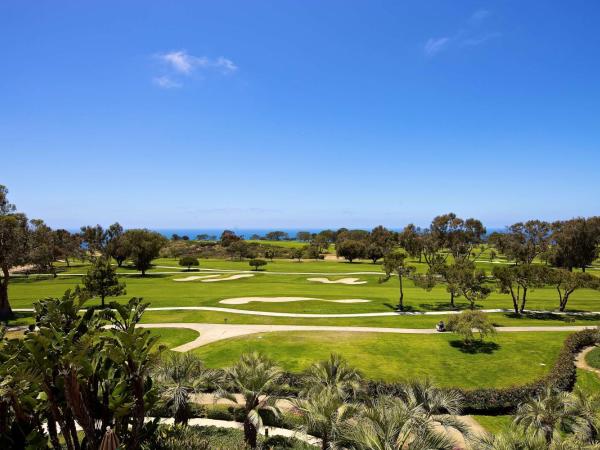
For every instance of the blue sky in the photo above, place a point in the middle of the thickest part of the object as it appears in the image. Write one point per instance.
(299, 113)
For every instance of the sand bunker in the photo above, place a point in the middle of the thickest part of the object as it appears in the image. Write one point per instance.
(232, 277)
(195, 277)
(246, 300)
(340, 281)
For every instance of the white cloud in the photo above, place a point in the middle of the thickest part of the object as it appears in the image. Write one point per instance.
(435, 45)
(180, 63)
(166, 82)
(478, 40)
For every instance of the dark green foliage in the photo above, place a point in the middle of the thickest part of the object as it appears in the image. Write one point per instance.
(101, 281)
(257, 263)
(144, 246)
(351, 249)
(189, 261)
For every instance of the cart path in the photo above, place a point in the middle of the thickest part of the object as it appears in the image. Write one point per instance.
(251, 312)
(210, 333)
(581, 363)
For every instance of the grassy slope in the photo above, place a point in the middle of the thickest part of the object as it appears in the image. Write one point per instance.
(519, 358)
(174, 337)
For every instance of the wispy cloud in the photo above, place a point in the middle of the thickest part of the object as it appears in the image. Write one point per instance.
(165, 82)
(435, 45)
(479, 16)
(469, 35)
(179, 63)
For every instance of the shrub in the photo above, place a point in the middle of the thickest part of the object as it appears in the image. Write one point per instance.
(189, 261)
(256, 263)
(464, 323)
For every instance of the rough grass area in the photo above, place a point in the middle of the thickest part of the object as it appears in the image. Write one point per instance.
(510, 359)
(588, 382)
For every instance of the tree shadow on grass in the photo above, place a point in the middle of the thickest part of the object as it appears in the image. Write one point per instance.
(552, 316)
(446, 306)
(475, 347)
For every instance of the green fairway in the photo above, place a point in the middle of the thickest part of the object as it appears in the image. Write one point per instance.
(511, 359)
(161, 290)
(494, 424)
(588, 382)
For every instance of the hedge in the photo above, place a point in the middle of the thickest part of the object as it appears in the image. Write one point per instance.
(562, 377)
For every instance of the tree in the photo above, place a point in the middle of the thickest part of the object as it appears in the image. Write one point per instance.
(387, 423)
(101, 281)
(14, 247)
(471, 283)
(576, 242)
(237, 249)
(312, 251)
(518, 281)
(567, 282)
(395, 263)
(144, 245)
(257, 263)
(303, 236)
(43, 251)
(468, 321)
(179, 376)
(189, 261)
(350, 249)
(116, 244)
(202, 237)
(228, 237)
(255, 377)
(270, 254)
(411, 240)
(276, 235)
(297, 253)
(331, 374)
(525, 241)
(326, 415)
(95, 239)
(546, 413)
(380, 242)
(68, 245)
(374, 252)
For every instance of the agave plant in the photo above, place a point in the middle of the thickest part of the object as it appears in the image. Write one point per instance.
(325, 414)
(333, 373)
(180, 376)
(255, 377)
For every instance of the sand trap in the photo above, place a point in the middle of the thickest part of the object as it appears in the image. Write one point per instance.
(340, 281)
(195, 277)
(246, 300)
(232, 277)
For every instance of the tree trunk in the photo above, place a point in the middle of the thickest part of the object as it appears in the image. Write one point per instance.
(515, 300)
(52, 432)
(250, 433)
(523, 300)
(102, 300)
(401, 300)
(5, 309)
(583, 268)
(324, 442)
(452, 298)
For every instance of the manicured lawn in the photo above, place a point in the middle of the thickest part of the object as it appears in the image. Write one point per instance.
(161, 290)
(511, 359)
(494, 424)
(593, 358)
(174, 337)
(588, 382)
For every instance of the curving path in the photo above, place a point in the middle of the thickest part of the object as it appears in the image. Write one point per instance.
(210, 332)
(581, 363)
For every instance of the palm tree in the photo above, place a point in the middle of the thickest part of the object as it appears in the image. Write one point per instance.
(179, 377)
(325, 414)
(333, 373)
(390, 424)
(548, 412)
(440, 405)
(255, 377)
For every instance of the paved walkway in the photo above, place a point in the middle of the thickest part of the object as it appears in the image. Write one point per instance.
(251, 312)
(210, 333)
(581, 363)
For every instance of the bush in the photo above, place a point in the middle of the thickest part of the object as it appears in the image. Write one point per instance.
(189, 261)
(464, 323)
(256, 263)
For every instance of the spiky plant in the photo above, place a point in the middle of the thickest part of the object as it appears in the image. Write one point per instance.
(333, 373)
